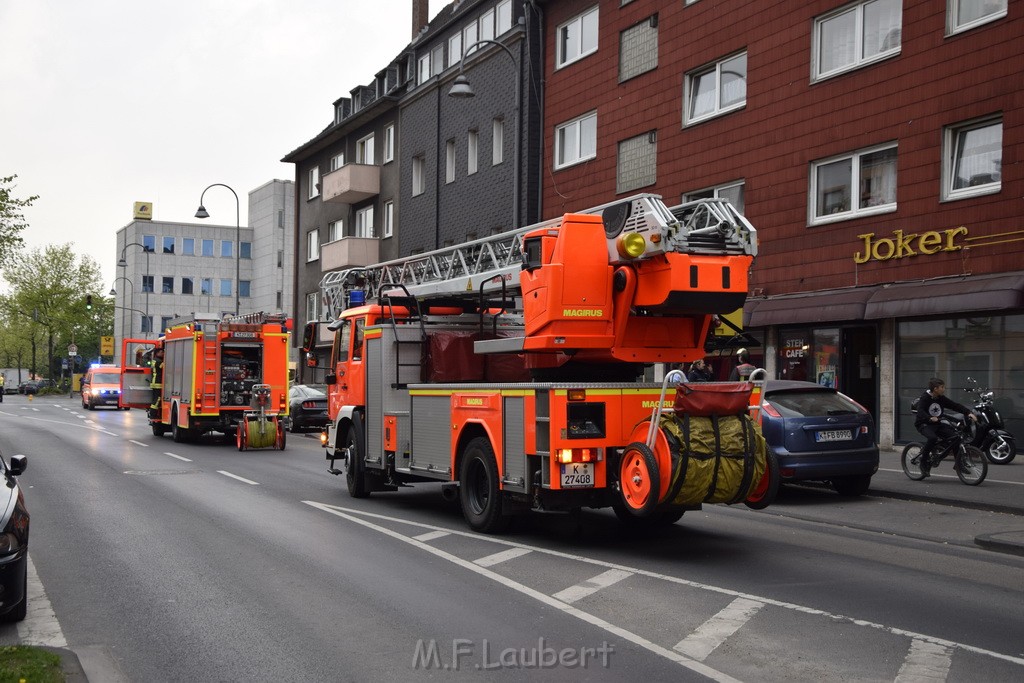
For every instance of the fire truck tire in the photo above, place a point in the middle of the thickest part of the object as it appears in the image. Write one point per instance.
(479, 491)
(764, 493)
(281, 436)
(666, 517)
(355, 468)
(639, 480)
(177, 433)
(158, 428)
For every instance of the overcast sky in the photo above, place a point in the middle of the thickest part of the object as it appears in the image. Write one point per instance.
(104, 103)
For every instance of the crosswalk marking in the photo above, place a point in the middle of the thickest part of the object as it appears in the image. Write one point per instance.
(582, 590)
(925, 662)
(716, 630)
(503, 556)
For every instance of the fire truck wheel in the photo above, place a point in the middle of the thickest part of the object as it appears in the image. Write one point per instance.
(281, 436)
(665, 517)
(764, 493)
(158, 428)
(479, 490)
(355, 476)
(177, 433)
(639, 480)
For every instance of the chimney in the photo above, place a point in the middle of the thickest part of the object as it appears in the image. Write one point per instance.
(420, 16)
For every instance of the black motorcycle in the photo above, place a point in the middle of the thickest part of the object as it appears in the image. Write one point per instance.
(987, 433)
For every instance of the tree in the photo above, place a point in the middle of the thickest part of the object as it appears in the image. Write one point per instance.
(12, 220)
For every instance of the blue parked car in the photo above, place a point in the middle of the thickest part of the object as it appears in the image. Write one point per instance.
(819, 434)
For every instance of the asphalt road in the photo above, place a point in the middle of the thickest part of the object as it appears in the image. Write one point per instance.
(160, 561)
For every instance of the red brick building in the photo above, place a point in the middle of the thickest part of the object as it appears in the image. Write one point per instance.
(878, 148)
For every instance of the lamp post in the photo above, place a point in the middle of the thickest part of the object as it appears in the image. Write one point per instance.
(122, 263)
(131, 306)
(462, 90)
(202, 213)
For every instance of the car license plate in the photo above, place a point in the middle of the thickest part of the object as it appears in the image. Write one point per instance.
(577, 475)
(834, 435)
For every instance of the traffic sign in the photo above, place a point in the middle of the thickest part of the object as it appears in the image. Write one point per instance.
(72, 349)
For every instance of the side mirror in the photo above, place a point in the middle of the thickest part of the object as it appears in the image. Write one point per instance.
(331, 379)
(18, 464)
(311, 361)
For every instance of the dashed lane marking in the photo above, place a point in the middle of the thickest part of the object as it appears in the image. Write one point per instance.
(241, 479)
(716, 630)
(138, 443)
(90, 427)
(591, 586)
(431, 535)
(179, 457)
(503, 556)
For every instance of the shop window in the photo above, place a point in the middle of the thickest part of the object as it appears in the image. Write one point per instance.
(809, 355)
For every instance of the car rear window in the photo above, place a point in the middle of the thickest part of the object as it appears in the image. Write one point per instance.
(812, 403)
(106, 378)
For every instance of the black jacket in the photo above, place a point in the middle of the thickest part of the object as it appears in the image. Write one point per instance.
(925, 410)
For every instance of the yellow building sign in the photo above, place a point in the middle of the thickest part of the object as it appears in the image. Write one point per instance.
(143, 211)
(106, 346)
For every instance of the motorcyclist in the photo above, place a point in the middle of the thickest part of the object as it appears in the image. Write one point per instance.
(929, 410)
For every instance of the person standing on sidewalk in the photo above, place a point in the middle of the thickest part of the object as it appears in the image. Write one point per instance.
(742, 371)
(929, 410)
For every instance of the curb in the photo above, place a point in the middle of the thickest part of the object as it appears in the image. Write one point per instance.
(1010, 542)
(924, 498)
(69, 664)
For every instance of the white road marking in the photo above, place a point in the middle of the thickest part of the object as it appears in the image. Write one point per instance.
(925, 661)
(590, 586)
(90, 427)
(138, 443)
(638, 640)
(40, 626)
(716, 630)
(179, 457)
(241, 479)
(431, 535)
(503, 556)
(347, 512)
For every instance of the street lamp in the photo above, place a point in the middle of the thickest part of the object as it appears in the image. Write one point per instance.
(461, 89)
(202, 213)
(131, 306)
(122, 263)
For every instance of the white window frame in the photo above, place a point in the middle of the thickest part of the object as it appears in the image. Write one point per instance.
(389, 143)
(487, 25)
(337, 161)
(855, 210)
(717, 192)
(313, 245)
(364, 150)
(364, 222)
(572, 48)
(312, 306)
(472, 152)
(389, 218)
(859, 59)
(954, 9)
(423, 69)
(449, 161)
(469, 38)
(951, 141)
(503, 17)
(719, 109)
(574, 128)
(419, 181)
(437, 60)
(497, 141)
(335, 230)
(314, 182)
(455, 49)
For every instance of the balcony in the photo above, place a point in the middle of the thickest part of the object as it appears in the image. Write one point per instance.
(348, 252)
(352, 183)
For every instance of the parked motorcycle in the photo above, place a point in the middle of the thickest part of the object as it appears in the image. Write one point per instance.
(987, 433)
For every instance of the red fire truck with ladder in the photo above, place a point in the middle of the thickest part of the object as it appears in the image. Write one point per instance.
(509, 367)
(205, 374)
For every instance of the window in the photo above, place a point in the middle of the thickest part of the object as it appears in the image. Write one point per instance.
(227, 249)
(314, 182)
(437, 59)
(311, 306)
(423, 72)
(147, 324)
(576, 38)
(364, 222)
(244, 287)
(168, 245)
(147, 283)
(472, 150)
(454, 49)
(280, 300)
(419, 182)
(364, 150)
(245, 250)
(167, 284)
(337, 161)
(962, 15)
(853, 185)
(225, 287)
(731, 191)
(469, 39)
(638, 49)
(717, 89)
(497, 141)
(280, 258)
(504, 17)
(389, 143)
(335, 231)
(312, 245)
(856, 35)
(637, 162)
(188, 285)
(576, 140)
(206, 286)
(188, 246)
(972, 158)
(487, 25)
(165, 322)
(389, 218)
(207, 247)
(149, 243)
(449, 161)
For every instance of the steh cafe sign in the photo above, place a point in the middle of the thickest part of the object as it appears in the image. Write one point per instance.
(902, 245)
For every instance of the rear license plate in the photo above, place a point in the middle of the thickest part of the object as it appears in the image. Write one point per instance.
(578, 475)
(834, 435)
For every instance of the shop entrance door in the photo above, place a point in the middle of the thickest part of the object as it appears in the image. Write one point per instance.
(859, 378)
